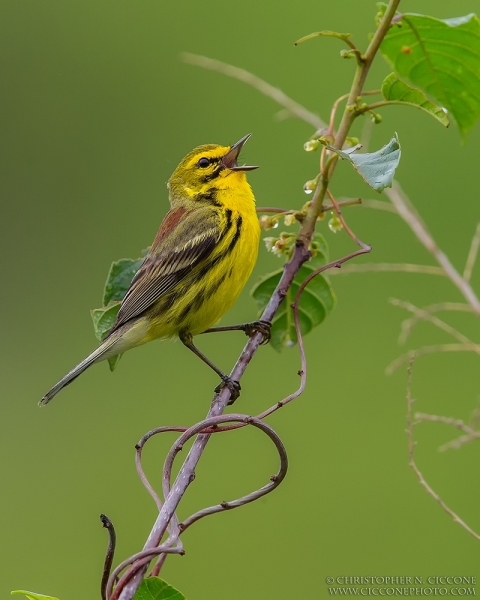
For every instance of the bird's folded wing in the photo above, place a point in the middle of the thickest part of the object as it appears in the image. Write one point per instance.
(184, 239)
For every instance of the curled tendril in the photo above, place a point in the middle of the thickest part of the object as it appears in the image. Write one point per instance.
(141, 558)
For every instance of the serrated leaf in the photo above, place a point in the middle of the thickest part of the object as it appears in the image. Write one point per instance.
(33, 595)
(103, 320)
(376, 168)
(119, 279)
(153, 588)
(316, 303)
(326, 33)
(443, 58)
(397, 91)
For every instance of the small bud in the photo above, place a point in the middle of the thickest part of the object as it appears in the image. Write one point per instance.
(352, 141)
(309, 186)
(269, 243)
(347, 54)
(314, 249)
(265, 222)
(290, 220)
(311, 145)
(376, 118)
(279, 247)
(335, 224)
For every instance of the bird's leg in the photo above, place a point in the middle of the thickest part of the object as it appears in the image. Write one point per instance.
(234, 386)
(249, 328)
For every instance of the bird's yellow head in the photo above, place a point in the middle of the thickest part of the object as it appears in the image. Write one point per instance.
(206, 167)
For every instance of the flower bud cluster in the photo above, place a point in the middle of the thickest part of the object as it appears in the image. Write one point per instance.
(280, 246)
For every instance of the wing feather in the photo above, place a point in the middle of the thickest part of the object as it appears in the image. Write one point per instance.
(184, 240)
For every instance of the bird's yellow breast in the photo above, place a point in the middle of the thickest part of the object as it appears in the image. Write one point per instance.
(212, 287)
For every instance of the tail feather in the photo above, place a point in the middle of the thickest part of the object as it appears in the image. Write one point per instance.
(78, 370)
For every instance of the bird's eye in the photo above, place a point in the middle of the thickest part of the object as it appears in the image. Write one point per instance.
(203, 163)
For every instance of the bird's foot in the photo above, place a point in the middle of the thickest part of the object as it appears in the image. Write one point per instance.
(262, 327)
(232, 385)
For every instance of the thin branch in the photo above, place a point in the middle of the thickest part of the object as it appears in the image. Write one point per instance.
(457, 423)
(412, 218)
(472, 255)
(427, 316)
(138, 461)
(338, 212)
(475, 418)
(379, 205)
(390, 268)
(430, 350)
(259, 84)
(410, 323)
(470, 433)
(296, 304)
(333, 112)
(107, 567)
(411, 461)
(459, 442)
(325, 208)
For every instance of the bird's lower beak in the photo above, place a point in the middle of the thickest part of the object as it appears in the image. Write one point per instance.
(230, 159)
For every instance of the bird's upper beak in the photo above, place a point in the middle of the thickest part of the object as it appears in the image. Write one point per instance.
(230, 159)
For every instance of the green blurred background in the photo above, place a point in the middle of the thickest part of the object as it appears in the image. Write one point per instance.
(97, 111)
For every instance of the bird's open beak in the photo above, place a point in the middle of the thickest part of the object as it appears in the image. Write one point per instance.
(230, 159)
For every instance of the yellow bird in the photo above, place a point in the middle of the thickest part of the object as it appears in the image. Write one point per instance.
(198, 264)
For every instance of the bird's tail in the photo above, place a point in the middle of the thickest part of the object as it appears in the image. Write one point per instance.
(96, 355)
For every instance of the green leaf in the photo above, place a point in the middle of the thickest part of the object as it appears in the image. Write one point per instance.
(33, 595)
(396, 91)
(326, 33)
(317, 301)
(103, 320)
(376, 168)
(443, 58)
(153, 588)
(119, 279)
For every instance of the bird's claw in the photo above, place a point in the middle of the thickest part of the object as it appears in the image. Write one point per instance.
(232, 385)
(262, 327)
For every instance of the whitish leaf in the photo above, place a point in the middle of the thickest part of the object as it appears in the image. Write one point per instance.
(376, 168)
(443, 58)
(153, 588)
(316, 303)
(33, 595)
(397, 91)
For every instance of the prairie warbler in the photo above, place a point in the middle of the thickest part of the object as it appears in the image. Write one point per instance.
(198, 263)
